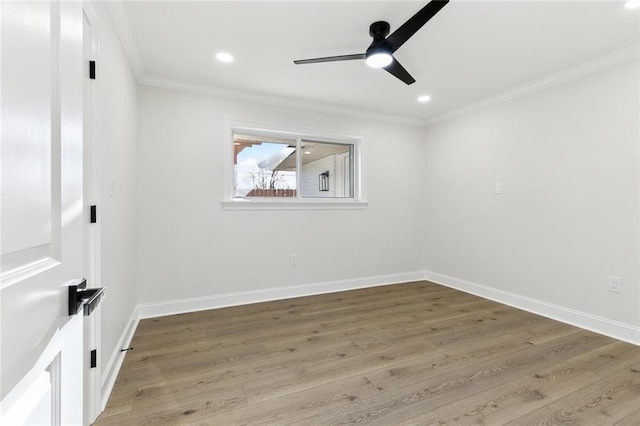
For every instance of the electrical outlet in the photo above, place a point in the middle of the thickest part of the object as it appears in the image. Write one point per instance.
(293, 260)
(615, 284)
(498, 187)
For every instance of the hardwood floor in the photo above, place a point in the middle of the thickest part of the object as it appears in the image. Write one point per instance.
(406, 354)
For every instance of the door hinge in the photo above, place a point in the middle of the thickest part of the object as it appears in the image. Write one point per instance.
(94, 215)
(92, 70)
(94, 358)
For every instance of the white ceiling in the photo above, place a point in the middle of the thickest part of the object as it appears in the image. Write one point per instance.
(471, 52)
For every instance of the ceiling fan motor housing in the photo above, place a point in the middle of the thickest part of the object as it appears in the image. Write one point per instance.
(379, 31)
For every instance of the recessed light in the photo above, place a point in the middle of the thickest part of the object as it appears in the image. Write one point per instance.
(224, 57)
(424, 98)
(632, 4)
(307, 152)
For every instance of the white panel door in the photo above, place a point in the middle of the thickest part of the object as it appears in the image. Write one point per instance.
(41, 210)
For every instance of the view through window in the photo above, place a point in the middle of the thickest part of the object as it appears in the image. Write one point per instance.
(279, 167)
(258, 166)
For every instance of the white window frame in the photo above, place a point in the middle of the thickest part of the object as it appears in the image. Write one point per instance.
(357, 202)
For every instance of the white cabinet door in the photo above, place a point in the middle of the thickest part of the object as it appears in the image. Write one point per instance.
(41, 210)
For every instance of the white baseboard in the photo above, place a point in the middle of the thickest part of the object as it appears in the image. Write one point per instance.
(117, 357)
(172, 307)
(615, 329)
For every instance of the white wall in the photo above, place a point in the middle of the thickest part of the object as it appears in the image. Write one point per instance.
(568, 218)
(116, 95)
(190, 247)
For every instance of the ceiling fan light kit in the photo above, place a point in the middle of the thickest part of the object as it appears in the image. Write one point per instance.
(379, 60)
(379, 54)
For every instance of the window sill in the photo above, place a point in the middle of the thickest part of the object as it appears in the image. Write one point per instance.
(294, 205)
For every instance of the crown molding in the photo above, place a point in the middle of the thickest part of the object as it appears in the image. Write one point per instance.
(123, 28)
(273, 100)
(599, 64)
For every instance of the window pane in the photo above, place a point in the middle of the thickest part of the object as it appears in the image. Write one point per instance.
(327, 170)
(264, 166)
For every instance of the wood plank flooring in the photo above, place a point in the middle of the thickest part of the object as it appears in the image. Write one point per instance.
(406, 354)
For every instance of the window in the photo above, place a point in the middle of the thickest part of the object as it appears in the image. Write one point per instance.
(264, 166)
(326, 169)
(279, 169)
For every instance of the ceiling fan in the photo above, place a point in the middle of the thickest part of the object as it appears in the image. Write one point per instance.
(379, 54)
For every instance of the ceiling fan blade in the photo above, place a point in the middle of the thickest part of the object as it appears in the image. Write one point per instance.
(409, 28)
(330, 59)
(398, 71)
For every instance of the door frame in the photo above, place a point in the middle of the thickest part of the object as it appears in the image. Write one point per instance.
(91, 167)
(91, 232)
